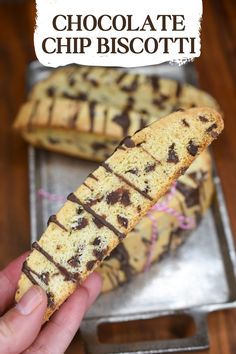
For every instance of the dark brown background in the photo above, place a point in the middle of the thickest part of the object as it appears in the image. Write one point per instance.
(217, 75)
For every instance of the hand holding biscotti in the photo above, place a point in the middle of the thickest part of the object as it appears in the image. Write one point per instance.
(20, 327)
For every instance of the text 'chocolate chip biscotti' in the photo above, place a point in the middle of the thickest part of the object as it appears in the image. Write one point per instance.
(95, 218)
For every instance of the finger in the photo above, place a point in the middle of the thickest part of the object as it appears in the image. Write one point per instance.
(20, 326)
(58, 333)
(8, 281)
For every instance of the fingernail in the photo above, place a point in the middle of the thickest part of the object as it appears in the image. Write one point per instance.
(30, 301)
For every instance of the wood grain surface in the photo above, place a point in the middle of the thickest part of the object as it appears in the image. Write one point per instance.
(217, 74)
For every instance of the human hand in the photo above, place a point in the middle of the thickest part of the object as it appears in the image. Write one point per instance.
(20, 327)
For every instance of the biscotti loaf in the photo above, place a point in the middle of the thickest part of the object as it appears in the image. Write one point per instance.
(164, 228)
(152, 95)
(80, 128)
(113, 199)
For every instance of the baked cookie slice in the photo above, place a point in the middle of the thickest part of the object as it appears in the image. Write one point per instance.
(112, 200)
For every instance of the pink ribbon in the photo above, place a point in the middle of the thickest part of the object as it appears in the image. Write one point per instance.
(184, 222)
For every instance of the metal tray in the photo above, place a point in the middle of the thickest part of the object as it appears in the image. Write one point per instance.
(199, 278)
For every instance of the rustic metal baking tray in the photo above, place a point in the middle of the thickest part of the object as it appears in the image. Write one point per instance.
(199, 278)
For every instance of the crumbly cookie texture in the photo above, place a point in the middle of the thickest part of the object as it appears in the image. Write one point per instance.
(113, 199)
(160, 232)
(142, 93)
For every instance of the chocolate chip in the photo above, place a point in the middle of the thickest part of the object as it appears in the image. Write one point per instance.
(185, 123)
(133, 171)
(81, 224)
(72, 82)
(159, 101)
(96, 241)
(192, 148)
(98, 223)
(79, 210)
(51, 91)
(122, 221)
(53, 140)
(98, 146)
(120, 195)
(213, 126)
(203, 119)
(74, 261)
(150, 167)
(99, 254)
(92, 202)
(45, 277)
(139, 208)
(132, 87)
(113, 197)
(172, 155)
(90, 265)
(214, 134)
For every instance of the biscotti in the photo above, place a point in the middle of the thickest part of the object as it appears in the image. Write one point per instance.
(86, 129)
(113, 199)
(80, 128)
(164, 228)
(152, 95)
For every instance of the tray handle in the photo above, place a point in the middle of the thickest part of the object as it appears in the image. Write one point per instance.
(197, 342)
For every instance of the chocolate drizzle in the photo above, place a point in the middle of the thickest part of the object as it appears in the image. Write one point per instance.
(155, 83)
(121, 77)
(50, 111)
(44, 277)
(123, 120)
(74, 277)
(159, 102)
(71, 197)
(92, 106)
(27, 271)
(53, 219)
(178, 89)
(32, 114)
(107, 167)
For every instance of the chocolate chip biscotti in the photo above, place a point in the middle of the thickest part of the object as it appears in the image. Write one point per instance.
(85, 129)
(152, 95)
(80, 128)
(112, 200)
(164, 228)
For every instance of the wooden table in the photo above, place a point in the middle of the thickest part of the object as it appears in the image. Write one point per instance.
(217, 74)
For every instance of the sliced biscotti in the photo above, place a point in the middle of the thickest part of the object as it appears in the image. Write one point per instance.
(112, 200)
(150, 94)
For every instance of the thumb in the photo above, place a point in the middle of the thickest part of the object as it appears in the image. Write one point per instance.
(20, 326)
